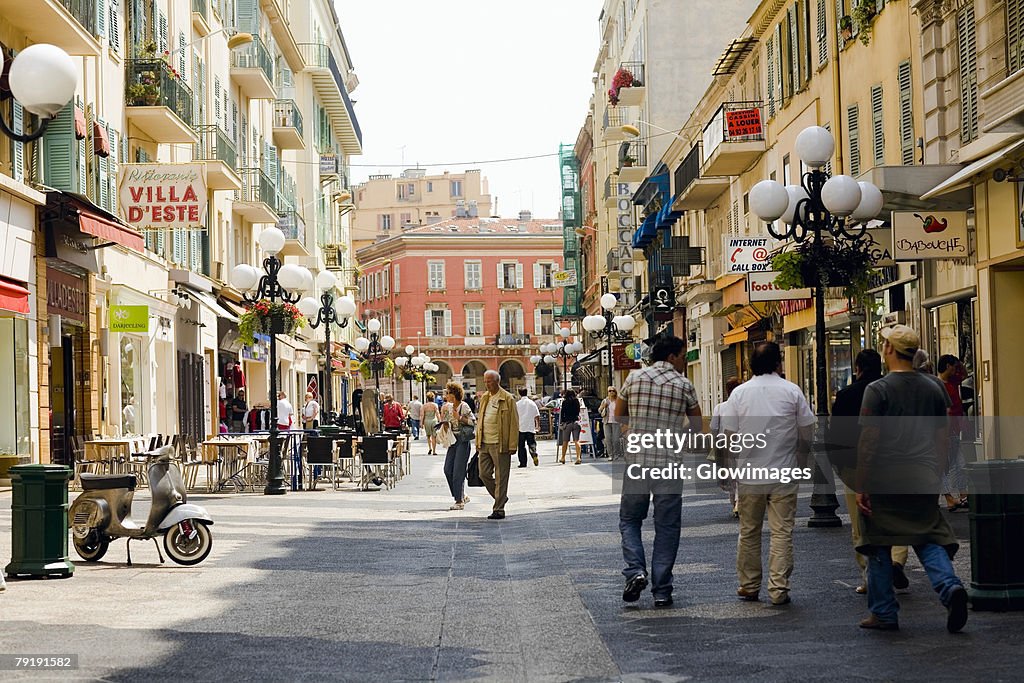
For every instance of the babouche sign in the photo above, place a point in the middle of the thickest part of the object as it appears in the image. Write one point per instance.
(163, 196)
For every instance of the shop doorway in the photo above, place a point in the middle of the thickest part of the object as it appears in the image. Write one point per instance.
(191, 399)
(67, 396)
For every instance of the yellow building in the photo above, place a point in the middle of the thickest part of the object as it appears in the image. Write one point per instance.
(384, 206)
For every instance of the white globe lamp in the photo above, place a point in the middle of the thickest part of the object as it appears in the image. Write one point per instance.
(624, 322)
(871, 202)
(362, 343)
(271, 240)
(609, 301)
(796, 193)
(409, 350)
(244, 277)
(308, 306)
(43, 79)
(345, 307)
(815, 145)
(768, 200)
(841, 195)
(325, 279)
(290, 276)
(387, 342)
(373, 326)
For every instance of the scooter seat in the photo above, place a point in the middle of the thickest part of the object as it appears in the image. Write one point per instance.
(99, 482)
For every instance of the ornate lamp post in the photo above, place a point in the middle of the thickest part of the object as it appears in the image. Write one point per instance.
(282, 282)
(563, 349)
(375, 349)
(404, 362)
(324, 313)
(423, 364)
(611, 328)
(43, 79)
(817, 209)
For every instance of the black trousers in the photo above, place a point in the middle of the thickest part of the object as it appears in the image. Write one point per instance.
(527, 438)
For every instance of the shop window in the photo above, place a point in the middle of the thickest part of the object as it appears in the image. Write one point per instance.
(14, 371)
(131, 401)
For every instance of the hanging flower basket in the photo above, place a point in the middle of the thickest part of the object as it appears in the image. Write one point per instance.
(623, 78)
(269, 318)
(385, 368)
(838, 263)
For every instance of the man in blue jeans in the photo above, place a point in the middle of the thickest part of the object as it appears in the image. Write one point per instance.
(900, 457)
(658, 397)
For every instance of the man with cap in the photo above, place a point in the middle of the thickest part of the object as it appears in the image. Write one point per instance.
(901, 453)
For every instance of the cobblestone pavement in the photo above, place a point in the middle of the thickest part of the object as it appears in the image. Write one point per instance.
(391, 586)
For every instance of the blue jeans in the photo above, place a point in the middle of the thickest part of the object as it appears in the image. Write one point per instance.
(415, 428)
(881, 596)
(455, 462)
(668, 521)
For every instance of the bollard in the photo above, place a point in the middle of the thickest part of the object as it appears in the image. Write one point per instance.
(39, 515)
(997, 534)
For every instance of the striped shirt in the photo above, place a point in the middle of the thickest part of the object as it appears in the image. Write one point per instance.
(658, 397)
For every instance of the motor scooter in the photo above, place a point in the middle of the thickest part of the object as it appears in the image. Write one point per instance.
(102, 513)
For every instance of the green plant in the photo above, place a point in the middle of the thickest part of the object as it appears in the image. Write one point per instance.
(259, 315)
(366, 368)
(837, 263)
(863, 15)
(628, 161)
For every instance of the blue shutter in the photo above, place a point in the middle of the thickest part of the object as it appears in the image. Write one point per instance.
(162, 44)
(247, 12)
(101, 18)
(60, 152)
(114, 26)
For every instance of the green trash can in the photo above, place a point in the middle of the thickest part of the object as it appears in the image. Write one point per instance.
(39, 515)
(997, 534)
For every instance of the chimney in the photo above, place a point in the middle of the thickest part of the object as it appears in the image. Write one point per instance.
(525, 215)
(460, 208)
(473, 211)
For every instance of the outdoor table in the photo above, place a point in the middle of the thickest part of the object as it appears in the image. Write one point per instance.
(232, 458)
(115, 451)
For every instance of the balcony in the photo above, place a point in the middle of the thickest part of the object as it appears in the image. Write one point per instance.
(157, 102)
(277, 11)
(512, 340)
(69, 24)
(330, 86)
(1002, 105)
(218, 152)
(288, 125)
(201, 17)
(611, 191)
(632, 162)
(734, 139)
(612, 126)
(692, 191)
(294, 229)
(253, 69)
(257, 200)
(633, 95)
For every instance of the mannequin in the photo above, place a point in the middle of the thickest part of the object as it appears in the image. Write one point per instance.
(368, 408)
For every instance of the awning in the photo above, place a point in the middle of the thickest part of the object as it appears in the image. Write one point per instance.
(104, 228)
(13, 297)
(206, 300)
(735, 336)
(963, 178)
(227, 304)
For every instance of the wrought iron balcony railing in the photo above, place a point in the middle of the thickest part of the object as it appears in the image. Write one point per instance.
(152, 83)
(84, 11)
(200, 8)
(257, 187)
(512, 340)
(287, 115)
(255, 55)
(292, 225)
(214, 145)
(733, 122)
(686, 172)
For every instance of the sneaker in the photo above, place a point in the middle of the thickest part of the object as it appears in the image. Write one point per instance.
(497, 514)
(873, 623)
(899, 577)
(634, 587)
(957, 610)
(662, 603)
(458, 506)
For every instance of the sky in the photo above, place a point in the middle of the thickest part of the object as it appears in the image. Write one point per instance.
(446, 82)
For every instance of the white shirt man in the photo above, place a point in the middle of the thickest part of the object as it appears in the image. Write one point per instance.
(529, 423)
(284, 411)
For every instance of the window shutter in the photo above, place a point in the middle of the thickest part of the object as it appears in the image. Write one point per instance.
(537, 276)
(112, 164)
(162, 23)
(447, 322)
(519, 275)
(442, 275)
(248, 19)
(877, 126)
(466, 269)
(906, 115)
(1014, 35)
(234, 122)
(161, 246)
(822, 34)
(102, 172)
(501, 276)
(782, 95)
(85, 186)
(853, 132)
(828, 164)
(519, 321)
(182, 56)
(216, 100)
(398, 286)
(426, 323)
(502, 316)
(114, 26)
(243, 148)
(770, 49)
(794, 49)
(537, 322)
(385, 277)
(18, 148)
(101, 18)
(968, 55)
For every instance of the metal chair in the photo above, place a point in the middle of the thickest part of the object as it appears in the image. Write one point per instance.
(375, 460)
(320, 457)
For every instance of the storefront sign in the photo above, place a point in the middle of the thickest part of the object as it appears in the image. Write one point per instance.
(564, 278)
(663, 299)
(937, 235)
(66, 295)
(747, 254)
(624, 230)
(129, 319)
(762, 287)
(880, 247)
(163, 196)
(743, 122)
(622, 359)
(328, 164)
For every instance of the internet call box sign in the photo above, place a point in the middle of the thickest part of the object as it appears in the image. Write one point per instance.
(747, 254)
(762, 287)
(163, 196)
(743, 122)
(929, 235)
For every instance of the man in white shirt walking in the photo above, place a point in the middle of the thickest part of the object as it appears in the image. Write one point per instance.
(284, 412)
(415, 415)
(768, 406)
(529, 424)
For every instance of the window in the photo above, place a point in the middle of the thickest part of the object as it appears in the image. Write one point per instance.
(15, 437)
(473, 275)
(877, 127)
(456, 188)
(1014, 35)
(968, 54)
(411, 187)
(543, 321)
(822, 34)
(406, 219)
(474, 322)
(384, 221)
(435, 271)
(402, 191)
(853, 132)
(510, 321)
(510, 275)
(787, 176)
(906, 115)
(385, 278)
(398, 281)
(439, 322)
(430, 186)
(543, 275)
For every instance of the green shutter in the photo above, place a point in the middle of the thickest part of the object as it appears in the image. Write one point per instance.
(102, 192)
(247, 12)
(162, 44)
(822, 34)
(101, 18)
(968, 58)
(60, 152)
(853, 133)
(828, 165)
(877, 127)
(115, 142)
(1014, 35)
(18, 148)
(770, 50)
(906, 115)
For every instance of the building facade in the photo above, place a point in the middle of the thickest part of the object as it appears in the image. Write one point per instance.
(474, 294)
(385, 206)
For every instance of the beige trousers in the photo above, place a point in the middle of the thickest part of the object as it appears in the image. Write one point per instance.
(780, 503)
(494, 471)
(899, 552)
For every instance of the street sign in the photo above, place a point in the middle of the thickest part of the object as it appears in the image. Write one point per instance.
(747, 254)
(762, 287)
(938, 235)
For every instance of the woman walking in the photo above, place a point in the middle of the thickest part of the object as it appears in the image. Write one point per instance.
(456, 414)
(612, 428)
(430, 423)
(569, 424)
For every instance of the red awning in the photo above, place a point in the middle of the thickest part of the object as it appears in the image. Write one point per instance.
(13, 297)
(107, 229)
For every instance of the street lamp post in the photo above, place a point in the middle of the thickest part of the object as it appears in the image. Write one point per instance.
(375, 349)
(610, 327)
(563, 349)
(405, 362)
(324, 313)
(42, 79)
(280, 282)
(423, 363)
(817, 208)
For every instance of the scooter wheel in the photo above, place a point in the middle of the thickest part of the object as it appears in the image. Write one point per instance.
(92, 548)
(188, 551)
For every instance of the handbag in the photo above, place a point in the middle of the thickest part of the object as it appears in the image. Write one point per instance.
(466, 433)
(473, 472)
(445, 436)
